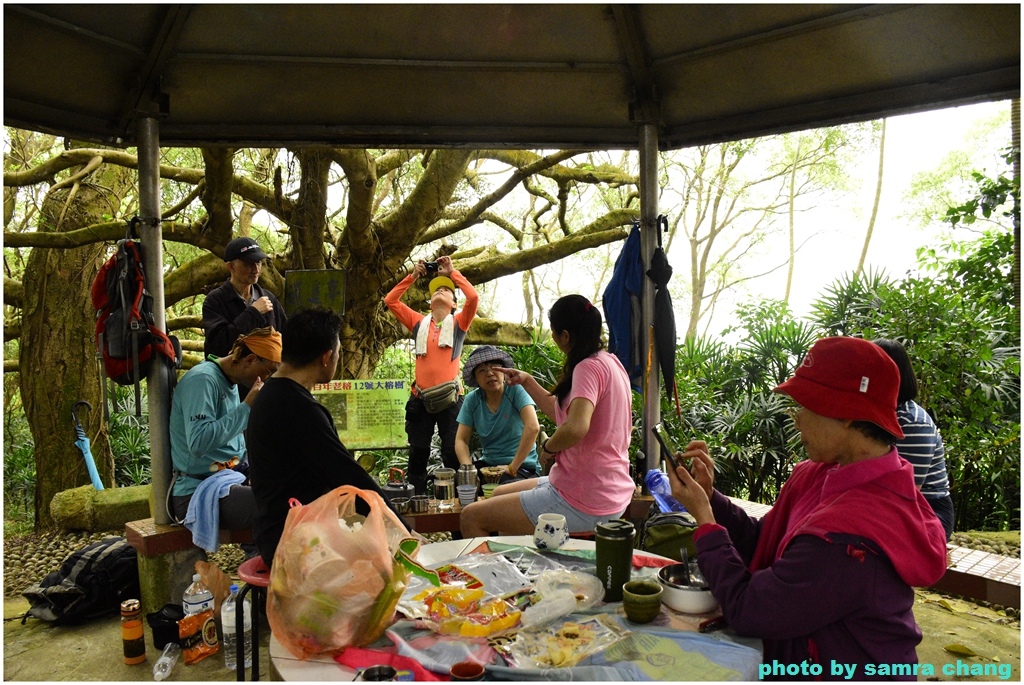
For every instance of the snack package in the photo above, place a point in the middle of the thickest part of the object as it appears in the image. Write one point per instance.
(198, 636)
(562, 644)
(493, 574)
(467, 612)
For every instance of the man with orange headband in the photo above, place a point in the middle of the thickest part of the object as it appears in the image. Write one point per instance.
(438, 338)
(206, 424)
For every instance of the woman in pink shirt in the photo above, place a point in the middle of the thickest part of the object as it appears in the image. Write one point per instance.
(589, 482)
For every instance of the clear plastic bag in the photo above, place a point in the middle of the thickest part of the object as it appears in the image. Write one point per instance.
(562, 644)
(495, 575)
(468, 613)
(561, 593)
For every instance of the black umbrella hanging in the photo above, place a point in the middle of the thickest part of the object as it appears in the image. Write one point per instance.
(664, 323)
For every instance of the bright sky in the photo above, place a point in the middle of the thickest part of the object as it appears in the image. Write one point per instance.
(914, 143)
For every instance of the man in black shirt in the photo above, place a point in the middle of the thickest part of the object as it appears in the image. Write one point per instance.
(239, 305)
(294, 449)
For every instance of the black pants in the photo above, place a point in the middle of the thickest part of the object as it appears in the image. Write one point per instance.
(943, 508)
(237, 510)
(419, 426)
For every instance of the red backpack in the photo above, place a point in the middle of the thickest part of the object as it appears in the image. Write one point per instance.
(126, 338)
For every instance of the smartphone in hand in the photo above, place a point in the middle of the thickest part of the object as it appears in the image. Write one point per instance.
(668, 450)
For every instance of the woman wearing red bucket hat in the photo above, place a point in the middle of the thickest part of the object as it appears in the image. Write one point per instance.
(826, 577)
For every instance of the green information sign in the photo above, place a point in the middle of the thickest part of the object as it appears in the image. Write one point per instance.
(314, 288)
(369, 413)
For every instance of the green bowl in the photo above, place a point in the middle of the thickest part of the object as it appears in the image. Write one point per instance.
(489, 489)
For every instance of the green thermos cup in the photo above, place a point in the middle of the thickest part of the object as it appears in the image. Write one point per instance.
(614, 544)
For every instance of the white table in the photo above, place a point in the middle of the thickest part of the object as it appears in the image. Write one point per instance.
(285, 666)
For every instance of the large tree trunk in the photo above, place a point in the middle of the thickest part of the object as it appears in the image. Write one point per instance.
(57, 335)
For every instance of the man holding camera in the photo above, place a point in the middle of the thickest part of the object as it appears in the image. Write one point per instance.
(436, 396)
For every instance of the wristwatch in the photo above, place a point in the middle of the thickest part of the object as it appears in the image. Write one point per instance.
(544, 447)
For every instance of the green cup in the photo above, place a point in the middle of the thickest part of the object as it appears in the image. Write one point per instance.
(642, 600)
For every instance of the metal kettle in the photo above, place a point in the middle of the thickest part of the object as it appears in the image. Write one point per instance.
(397, 486)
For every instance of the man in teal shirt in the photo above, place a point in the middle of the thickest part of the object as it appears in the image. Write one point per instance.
(207, 421)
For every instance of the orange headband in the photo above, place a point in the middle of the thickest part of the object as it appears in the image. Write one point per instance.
(266, 346)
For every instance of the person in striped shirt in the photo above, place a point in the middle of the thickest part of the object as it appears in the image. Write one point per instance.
(922, 443)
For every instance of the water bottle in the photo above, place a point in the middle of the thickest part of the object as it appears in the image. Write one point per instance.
(227, 622)
(660, 487)
(165, 664)
(197, 597)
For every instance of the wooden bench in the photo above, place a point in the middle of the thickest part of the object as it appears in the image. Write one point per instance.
(150, 538)
(167, 559)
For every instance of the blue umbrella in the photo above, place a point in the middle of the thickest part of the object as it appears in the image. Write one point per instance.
(82, 443)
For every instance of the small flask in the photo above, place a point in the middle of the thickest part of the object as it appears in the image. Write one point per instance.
(131, 632)
(614, 556)
(660, 487)
(165, 664)
(197, 597)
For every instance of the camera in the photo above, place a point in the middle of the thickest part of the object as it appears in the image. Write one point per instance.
(431, 267)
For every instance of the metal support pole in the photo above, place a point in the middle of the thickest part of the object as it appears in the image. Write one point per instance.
(648, 242)
(158, 381)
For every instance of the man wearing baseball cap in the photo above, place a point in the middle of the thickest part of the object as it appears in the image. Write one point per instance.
(827, 576)
(439, 336)
(239, 305)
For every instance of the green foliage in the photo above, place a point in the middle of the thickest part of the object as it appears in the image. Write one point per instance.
(129, 443)
(958, 328)
(728, 401)
(993, 195)
(19, 481)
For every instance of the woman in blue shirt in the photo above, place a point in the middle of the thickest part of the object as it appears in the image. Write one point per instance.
(921, 444)
(503, 416)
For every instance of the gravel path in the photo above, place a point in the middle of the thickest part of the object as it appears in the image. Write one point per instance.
(29, 558)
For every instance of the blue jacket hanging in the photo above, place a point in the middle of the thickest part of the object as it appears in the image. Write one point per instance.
(621, 302)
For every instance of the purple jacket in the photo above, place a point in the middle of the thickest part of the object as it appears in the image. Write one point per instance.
(828, 598)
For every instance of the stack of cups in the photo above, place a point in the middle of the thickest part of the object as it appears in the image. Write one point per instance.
(467, 494)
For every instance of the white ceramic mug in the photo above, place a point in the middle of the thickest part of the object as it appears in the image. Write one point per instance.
(551, 531)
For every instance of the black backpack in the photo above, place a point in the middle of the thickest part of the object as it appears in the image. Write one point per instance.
(127, 338)
(91, 583)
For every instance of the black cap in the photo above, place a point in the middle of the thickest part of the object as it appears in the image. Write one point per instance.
(244, 248)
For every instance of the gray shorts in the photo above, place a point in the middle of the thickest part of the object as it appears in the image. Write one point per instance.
(544, 499)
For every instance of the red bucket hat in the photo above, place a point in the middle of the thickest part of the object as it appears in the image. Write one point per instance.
(849, 379)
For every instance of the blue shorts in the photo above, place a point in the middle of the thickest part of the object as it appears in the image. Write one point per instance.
(544, 499)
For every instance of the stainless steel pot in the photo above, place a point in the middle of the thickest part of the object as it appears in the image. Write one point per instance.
(401, 504)
(420, 504)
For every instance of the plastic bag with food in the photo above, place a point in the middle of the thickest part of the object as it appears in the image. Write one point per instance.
(563, 643)
(337, 575)
(495, 575)
(452, 610)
